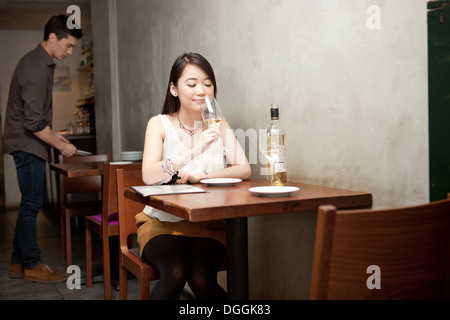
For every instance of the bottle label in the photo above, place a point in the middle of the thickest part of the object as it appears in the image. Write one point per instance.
(282, 154)
(280, 167)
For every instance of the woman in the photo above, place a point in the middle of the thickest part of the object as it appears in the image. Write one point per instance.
(178, 142)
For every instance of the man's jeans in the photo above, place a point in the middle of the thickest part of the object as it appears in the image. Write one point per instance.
(31, 177)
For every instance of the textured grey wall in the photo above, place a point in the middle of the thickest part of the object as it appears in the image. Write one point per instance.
(353, 100)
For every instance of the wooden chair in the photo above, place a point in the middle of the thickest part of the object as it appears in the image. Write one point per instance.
(71, 208)
(129, 259)
(384, 254)
(105, 224)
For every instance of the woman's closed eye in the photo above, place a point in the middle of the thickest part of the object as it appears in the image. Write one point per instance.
(208, 85)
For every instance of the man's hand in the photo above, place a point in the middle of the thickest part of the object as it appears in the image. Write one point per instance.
(68, 150)
(57, 141)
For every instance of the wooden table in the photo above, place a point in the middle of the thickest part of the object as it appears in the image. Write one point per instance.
(236, 203)
(78, 169)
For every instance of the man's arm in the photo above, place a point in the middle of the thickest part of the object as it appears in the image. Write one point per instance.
(58, 141)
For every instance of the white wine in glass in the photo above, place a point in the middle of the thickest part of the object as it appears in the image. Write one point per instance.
(213, 123)
(212, 116)
(211, 113)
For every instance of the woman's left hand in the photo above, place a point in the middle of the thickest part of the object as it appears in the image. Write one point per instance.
(186, 177)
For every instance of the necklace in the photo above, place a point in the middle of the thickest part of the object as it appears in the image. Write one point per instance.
(188, 131)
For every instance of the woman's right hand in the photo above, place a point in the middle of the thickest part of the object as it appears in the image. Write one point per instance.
(206, 139)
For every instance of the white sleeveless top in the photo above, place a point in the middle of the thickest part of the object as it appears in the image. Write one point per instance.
(209, 161)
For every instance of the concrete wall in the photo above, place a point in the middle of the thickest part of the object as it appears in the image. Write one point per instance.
(353, 99)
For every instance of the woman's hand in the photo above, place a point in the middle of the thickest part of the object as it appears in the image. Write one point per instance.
(206, 139)
(186, 177)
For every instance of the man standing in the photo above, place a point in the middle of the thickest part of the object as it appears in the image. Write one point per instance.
(28, 136)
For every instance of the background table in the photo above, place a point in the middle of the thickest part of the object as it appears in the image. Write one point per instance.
(236, 203)
(86, 169)
(78, 169)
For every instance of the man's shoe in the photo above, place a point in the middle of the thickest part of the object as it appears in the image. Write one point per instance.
(16, 271)
(43, 273)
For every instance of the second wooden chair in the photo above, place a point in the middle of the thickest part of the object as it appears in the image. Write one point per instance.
(106, 225)
(70, 208)
(129, 255)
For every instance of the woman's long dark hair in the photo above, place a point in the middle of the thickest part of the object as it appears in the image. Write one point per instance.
(172, 104)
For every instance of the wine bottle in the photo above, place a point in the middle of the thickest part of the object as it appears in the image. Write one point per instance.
(276, 151)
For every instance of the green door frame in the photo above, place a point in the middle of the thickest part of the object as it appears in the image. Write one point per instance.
(439, 98)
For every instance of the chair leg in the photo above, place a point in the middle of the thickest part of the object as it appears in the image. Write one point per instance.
(106, 267)
(63, 237)
(68, 241)
(123, 289)
(88, 256)
(144, 285)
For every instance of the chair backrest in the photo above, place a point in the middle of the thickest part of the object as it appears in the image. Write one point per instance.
(109, 194)
(81, 184)
(387, 254)
(127, 208)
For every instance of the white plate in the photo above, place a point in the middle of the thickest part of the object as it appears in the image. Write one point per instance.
(118, 163)
(221, 182)
(131, 155)
(84, 153)
(273, 191)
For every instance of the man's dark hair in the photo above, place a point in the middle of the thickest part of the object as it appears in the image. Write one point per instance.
(58, 25)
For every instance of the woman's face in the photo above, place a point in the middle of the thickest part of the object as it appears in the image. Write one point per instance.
(192, 88)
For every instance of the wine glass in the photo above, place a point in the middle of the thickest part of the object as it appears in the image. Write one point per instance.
(211, 112)
(212, 116)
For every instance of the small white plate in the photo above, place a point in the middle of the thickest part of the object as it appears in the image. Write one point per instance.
(273, 191)
(131, 155)
(118, 163)
(84, 153)
(221, 182)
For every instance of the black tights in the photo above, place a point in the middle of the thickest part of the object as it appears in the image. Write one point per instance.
(180, 259)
